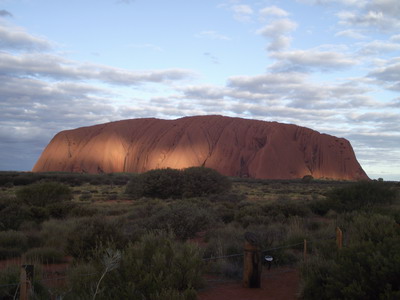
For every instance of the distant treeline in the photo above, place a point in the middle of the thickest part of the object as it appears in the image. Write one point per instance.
(10, 178)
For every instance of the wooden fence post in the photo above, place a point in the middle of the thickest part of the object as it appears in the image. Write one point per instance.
(252, 264)
(26, 282)
(339, 238)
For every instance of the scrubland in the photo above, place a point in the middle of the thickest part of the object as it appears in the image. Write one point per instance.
(158, 235)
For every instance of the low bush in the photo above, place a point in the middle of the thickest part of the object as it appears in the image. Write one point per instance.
(200, 181)
(9, 282)
(367, 268)
(91, 233)
(81, 280)
(44, 193)
(13, 215)
(183, 219)
(176, 184)
(362, 195)
(54, 233)
(45, 255)
(12, 244)
(160, 183)
(157, 268)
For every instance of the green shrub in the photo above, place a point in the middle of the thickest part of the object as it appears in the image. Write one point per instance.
(9, 280)
(362, 195)
(60, 210)
(159, 183)
(13, 215)
(90, 234)
(183, 219)
(367, 268)
(38, 214)
(320, 206)
(54, 233)
(85, 196)
(156, 268)
(44, 193)
(45, 255)
(200, 181)
(12, 244)
(82, 279)
(171, 183)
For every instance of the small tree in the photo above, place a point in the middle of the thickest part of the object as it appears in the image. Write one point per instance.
(200, 181)
(159, 183)
(171, 183)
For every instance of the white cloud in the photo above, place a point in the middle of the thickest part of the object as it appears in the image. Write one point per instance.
(376, 14)
(395, 38)
(351, 33)
(57, 68)
(306, 60)
(388, 75)
(277, 32)
(273, 11)
(12, 38)
(242, 9)
(378, 47)
(242, 12)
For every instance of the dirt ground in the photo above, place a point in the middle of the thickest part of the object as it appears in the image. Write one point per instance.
(276, 284)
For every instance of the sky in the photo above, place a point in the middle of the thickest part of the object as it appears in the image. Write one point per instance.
(330, 65)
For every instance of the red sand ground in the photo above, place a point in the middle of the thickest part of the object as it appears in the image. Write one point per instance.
(276, 284)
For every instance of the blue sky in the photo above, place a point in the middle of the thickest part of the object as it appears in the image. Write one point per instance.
(330, 65)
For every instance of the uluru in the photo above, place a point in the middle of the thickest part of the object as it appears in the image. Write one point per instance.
(232, 146)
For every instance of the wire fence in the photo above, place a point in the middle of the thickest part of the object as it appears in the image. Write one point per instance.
(305, 243)
(241, 254)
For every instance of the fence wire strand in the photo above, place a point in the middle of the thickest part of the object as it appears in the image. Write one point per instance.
(266, 250)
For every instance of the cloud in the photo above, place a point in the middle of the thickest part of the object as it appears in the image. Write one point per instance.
(378, 47)
(388, 75)
(213, 35)
(5, 13)
(351, 33)
(276, 32)
(242, 12)
(32, 111)
(12, 38)
(57, 68)
(313, 59)
(395, 38)
(375, 14)
(273, 11)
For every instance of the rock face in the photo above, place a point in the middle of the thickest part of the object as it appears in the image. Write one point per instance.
(232, 146)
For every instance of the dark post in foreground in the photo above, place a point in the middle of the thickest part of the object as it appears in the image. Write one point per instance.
(252, 264)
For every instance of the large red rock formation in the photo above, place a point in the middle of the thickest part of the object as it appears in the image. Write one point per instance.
(232, 146)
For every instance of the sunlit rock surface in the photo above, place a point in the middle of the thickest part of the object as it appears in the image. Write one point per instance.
(232, 146)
